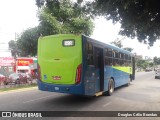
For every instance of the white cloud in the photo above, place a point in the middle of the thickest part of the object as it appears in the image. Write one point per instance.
(16, 16)
(105, 30)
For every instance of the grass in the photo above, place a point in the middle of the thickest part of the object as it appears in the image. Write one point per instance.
(18, 87)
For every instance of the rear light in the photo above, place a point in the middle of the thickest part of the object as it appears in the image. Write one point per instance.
(78, 74)
(39, 72)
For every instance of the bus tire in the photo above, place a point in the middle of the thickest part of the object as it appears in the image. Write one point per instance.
(110, 87)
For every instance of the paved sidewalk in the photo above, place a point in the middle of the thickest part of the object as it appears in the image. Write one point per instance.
(19, 90)
(16, 85)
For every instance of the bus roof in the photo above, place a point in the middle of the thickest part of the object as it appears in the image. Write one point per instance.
(104, 45)
(101, 44)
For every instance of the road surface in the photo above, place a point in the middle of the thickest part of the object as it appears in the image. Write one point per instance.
(142, 95)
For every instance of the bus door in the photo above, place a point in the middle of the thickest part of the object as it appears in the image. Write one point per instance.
(99, 64)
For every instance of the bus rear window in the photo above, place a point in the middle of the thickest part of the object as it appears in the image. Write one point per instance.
(68, 43)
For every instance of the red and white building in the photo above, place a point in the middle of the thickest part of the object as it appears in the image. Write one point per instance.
(7, 64)
(23, 64)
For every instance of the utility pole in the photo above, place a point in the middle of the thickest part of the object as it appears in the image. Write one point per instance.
(15, 55)
(15, 36)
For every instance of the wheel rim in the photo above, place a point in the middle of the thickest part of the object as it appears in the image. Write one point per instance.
(111, 88)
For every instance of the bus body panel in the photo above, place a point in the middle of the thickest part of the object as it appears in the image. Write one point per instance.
(59, 63)
(63, 64)
(91, 80)
(120, 77)
(70, 89)
(91, 74)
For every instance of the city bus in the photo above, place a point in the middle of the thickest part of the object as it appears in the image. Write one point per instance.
(80, 65)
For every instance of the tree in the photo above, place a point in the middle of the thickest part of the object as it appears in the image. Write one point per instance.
(142, 63)
(117, 43)
(13, 46)
(151, 64)
(59, 16)
(56, 17)
(156, 60)
(27, 42)
(128, 49)
(138, 18)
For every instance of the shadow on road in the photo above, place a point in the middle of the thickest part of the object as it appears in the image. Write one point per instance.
(75, 102)
(73, 99)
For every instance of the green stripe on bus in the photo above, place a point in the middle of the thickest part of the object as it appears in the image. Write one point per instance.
(124, 69)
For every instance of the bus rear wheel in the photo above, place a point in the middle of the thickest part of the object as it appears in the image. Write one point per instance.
(110, 87)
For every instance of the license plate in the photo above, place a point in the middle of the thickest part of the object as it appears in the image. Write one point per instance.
(56, 77)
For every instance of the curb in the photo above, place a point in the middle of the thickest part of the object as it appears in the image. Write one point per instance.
(19, 90)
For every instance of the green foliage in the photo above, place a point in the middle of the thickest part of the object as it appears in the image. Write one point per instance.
(156, 61)
(81, 26)
(151, 64)
(27, 42)
(56, 17)
(48, 24)
(138, 18)
(12, 44)
(128, 49)
(13, 47)
(117, 43)
(142, 63)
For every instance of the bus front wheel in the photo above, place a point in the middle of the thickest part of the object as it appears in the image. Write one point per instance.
(110, 87)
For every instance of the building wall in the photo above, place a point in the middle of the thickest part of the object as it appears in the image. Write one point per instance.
(4, 50)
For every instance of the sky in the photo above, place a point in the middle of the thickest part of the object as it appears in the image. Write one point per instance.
(18, 15)
(107, 32)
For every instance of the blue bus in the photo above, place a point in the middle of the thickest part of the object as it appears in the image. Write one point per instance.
(80, 65)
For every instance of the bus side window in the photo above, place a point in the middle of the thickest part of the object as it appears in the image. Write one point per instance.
(126, 63)
(90, 59)
(109, 52)
(108, 56)
(121, 55)
(126, 56)
(115, 62)
(96, 58)
(129, 57)
(121, 62)
(108, 61)
(89, 53)
(106, 51)
(130, 63)
(115, 54)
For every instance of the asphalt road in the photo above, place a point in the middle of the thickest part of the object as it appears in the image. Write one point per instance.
(142, 95)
